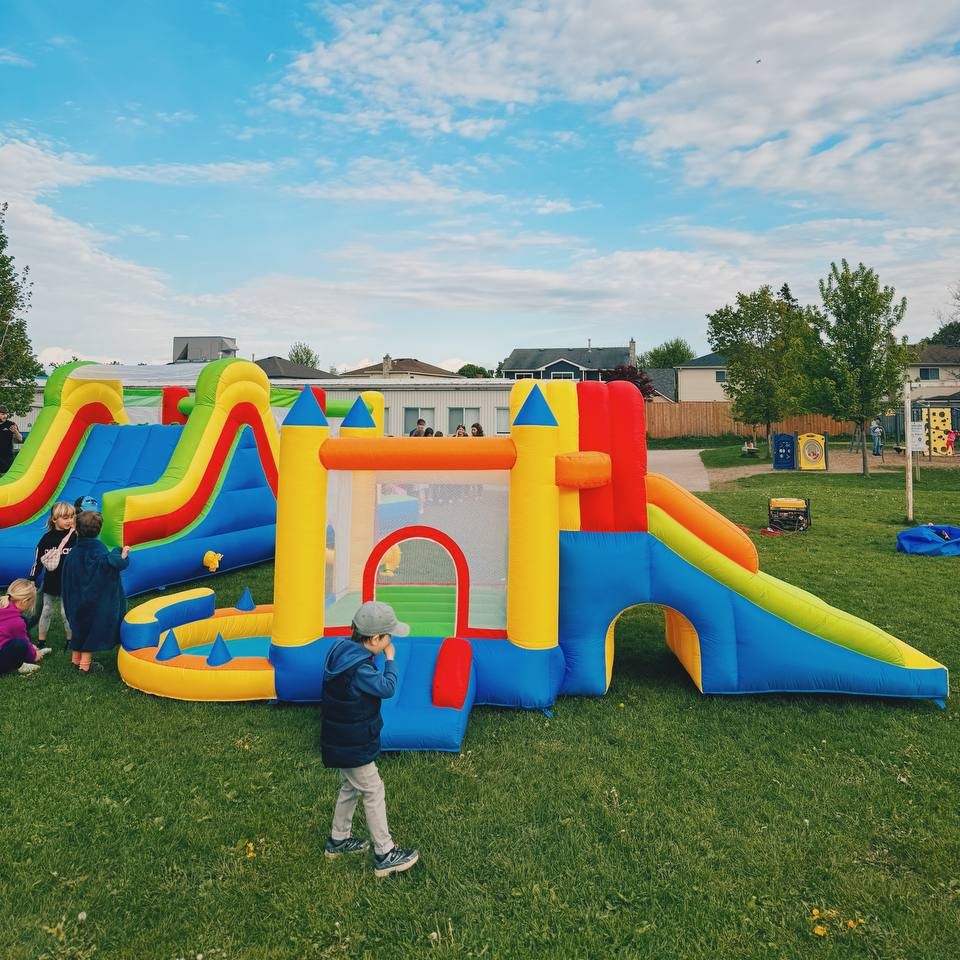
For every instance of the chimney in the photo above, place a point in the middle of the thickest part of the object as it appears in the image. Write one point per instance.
(588, 343)
(387, 364)
(633, 352)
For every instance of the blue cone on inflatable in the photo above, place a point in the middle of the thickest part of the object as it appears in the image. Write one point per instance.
(219, 653)
(245, 602)
(169, 648)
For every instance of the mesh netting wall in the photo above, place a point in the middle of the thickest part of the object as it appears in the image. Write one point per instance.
(417, 573)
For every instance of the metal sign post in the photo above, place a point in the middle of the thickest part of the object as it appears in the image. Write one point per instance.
(908, 439)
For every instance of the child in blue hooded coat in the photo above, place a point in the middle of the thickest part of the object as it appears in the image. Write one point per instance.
(94, 600)
(350, 728)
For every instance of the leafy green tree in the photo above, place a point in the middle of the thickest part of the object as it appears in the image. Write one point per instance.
(948, 335)
(18, 365)
(670, 353)
(763, 339)
(861, 364)
(303, 354)
(474, 371)
(634, 375)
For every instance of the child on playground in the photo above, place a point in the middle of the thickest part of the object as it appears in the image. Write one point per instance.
(54, 545)
(350, 726)
(94, 601)
(16, 650)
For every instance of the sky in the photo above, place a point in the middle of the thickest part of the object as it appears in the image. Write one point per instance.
(451, 180)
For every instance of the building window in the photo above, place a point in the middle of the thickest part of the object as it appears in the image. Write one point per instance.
(721, 376)
(523, 376)
(503, 420)
(929, 373)
(561, 375)
(412, 414)
(464, 415)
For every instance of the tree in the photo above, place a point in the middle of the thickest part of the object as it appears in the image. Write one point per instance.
(763, 339)
(635, 375)
(670, 353)
(948, 335)
(861, 363)
(474, 372)
(18, 365)
(303, 354)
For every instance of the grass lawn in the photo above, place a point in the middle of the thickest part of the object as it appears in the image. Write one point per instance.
(652, 822)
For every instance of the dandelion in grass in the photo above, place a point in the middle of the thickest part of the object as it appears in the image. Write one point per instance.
(851, 924)
(820, 930)
(251, 850)
(814, 913)
(81, 916)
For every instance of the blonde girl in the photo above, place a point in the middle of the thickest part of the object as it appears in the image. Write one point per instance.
(52, 550)
(16, 650)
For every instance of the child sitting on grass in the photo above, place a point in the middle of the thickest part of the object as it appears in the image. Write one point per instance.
(16, 650)
(93, 597)
(54, 545)
(350, 734)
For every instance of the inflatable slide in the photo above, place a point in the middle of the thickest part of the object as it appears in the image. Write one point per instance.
(174, 494)
(525, 552)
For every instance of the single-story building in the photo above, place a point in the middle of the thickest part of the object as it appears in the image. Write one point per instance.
(402, 368)
(567, 363)
(280, 368)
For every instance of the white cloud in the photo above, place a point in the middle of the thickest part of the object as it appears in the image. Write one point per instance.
(11, 59)
(370, 179)
(682, 85)
(29, 169)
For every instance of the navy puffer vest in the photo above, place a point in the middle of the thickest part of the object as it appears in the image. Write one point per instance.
(350, 722)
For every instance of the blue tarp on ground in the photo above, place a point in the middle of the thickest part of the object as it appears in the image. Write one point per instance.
(934, 541)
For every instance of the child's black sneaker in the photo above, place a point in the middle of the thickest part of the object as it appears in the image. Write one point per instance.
(394, 861)
(333, 848)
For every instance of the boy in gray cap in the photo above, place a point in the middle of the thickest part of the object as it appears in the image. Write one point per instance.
(350, 733)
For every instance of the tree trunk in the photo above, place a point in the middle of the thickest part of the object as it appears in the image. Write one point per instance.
(863, 447)
(769, 453)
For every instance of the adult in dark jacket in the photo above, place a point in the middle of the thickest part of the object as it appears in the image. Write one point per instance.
(93, 596)
(350, 728)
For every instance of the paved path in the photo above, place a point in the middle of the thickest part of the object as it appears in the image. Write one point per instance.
(682, 466)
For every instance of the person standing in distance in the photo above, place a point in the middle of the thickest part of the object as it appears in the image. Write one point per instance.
(8, 433)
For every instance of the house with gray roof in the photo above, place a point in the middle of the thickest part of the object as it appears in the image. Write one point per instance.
(583, 363)
(567, 363)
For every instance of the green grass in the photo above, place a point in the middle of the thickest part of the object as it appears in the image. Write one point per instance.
(693, 443)
(652, 822)
(732, 456)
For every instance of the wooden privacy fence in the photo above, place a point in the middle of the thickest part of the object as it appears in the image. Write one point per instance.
(705, 418)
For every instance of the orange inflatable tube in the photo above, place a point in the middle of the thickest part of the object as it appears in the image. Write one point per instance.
(712, 527)
(418, 453)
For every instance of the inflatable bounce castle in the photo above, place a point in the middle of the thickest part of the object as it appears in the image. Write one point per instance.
(187, 497)
(512, 558)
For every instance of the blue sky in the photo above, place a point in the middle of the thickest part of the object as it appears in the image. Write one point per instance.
(453, 180)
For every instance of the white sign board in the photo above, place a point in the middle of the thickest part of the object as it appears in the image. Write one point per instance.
(918, 437)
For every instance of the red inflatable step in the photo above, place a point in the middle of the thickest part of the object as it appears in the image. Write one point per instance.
(451, 675)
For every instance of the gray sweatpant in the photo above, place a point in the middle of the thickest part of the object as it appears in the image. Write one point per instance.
(46, 615)
(357, 782)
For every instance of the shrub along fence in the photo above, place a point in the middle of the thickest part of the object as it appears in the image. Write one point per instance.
(705, 418)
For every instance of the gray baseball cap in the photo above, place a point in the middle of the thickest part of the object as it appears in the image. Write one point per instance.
(375, 617)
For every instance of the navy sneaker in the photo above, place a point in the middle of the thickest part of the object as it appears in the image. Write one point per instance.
(394, 861)
(333, 848)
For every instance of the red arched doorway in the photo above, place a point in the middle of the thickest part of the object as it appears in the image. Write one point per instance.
(431, 609)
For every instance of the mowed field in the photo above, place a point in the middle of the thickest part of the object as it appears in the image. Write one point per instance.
(652, 822)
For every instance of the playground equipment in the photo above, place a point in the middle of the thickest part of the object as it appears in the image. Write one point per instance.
(172, 493)
(514, 595)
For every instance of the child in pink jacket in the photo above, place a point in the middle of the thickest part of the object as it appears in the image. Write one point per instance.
(16, 650)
